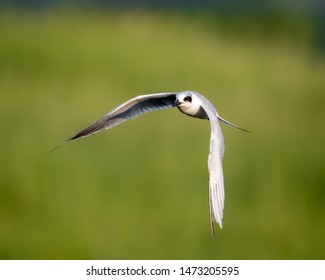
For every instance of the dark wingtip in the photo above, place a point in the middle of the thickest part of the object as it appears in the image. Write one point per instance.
(76, 136)
(85, 132)
(93, 128)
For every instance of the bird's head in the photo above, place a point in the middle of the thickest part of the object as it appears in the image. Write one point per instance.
(188, 103)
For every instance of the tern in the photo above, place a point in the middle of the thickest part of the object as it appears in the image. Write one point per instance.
(192, 104)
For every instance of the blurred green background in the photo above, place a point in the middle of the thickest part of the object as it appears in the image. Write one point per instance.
(139, 191)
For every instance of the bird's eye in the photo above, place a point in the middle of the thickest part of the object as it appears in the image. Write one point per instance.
(188, 98)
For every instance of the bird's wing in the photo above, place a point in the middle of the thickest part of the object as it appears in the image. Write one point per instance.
(129, 110)
(216, 184)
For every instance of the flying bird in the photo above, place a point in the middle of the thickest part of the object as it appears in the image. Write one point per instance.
(192, 104)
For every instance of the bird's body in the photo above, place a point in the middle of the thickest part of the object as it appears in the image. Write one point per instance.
(192, 104)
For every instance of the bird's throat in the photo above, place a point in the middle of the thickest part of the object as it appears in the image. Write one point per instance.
(196, 112)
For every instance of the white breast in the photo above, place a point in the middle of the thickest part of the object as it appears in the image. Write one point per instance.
(190, 108)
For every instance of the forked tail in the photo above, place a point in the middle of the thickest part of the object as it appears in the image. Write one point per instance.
(231, 124)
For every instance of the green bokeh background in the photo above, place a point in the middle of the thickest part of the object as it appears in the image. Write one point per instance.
(139, 191)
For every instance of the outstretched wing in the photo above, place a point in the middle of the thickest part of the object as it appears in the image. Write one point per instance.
(126, 111)
(129, 110)
(216, 184)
